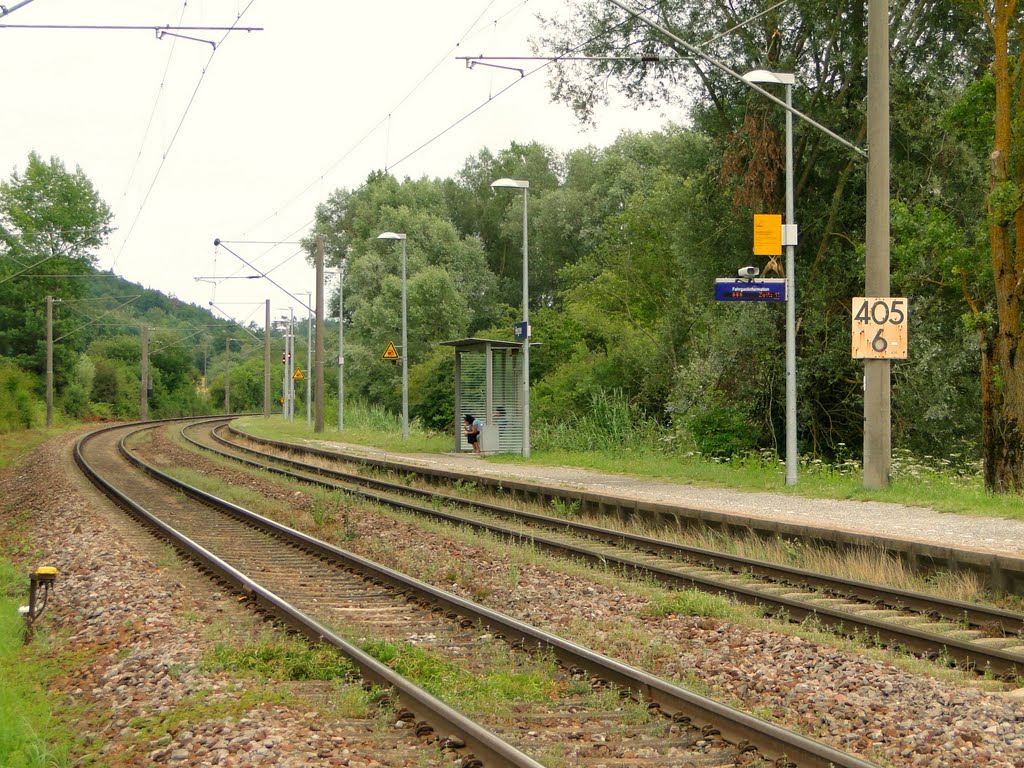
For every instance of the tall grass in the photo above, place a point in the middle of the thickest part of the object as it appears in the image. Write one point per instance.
(365, 424)
(612, 423)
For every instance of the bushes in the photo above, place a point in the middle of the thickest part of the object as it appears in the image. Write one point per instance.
(722, 433)
(611, 423)
(20, 408)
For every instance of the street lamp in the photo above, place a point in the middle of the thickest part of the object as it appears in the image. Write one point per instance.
(340, 272)
(288, 384)
(405, 348)
(789, 238)
(525, 186)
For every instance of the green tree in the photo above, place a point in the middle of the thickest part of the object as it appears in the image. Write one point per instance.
(937, 50)
(450, 290)
(51, 223)
(1000, 330)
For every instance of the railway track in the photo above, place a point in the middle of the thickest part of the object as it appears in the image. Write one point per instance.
(986, 639)
(594, 711)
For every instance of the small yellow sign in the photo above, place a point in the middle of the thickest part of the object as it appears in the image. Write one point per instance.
(281, 400)
(298, 375)
(767, 234)
(390, 353)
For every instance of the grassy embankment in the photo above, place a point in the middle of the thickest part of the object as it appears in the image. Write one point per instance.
(28, 736)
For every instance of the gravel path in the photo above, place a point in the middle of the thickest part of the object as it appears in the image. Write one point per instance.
(985, 534)
(141, 625)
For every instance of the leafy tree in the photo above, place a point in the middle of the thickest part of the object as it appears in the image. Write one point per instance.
(496, 216)
(1000, 330)
(450, 290)
(937, 50)
(51, 223)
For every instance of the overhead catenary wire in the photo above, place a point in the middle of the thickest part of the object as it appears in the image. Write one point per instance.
(132, 28)
(5, 11)
(156, 102)
(174, 136)
(490, 99)
(547, 62)
(383, 121)
(230, 318)
(86, 325)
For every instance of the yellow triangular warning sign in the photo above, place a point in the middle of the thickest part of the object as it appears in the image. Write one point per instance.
(298, 374)
(390, 353)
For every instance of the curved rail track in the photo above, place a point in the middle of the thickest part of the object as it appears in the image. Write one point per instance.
(987, 639)
(326, 592)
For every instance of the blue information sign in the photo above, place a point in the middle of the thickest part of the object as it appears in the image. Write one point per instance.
(521, 331)
(765, 289)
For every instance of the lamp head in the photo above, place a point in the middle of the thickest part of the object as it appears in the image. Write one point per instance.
(510, 184)
(775, 78)
(391, 236)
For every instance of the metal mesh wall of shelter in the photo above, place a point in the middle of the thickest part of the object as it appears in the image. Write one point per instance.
(483, 362)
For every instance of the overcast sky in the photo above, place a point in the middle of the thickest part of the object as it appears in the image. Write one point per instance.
(327, 93)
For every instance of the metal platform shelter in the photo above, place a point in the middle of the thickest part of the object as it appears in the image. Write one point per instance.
(488, 386)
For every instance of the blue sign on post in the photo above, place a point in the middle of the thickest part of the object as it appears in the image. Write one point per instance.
(521, 331)
(766, 289)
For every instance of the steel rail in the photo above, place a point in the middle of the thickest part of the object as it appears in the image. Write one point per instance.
(1007, 622)
(919, 641)
(485, 745)
(772, 741)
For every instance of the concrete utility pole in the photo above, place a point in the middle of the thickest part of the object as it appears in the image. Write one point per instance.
(227, 376)
(266, 364)
(144, 398)
(49, 361)
(341, 346)
(877, 391)
(318, 366)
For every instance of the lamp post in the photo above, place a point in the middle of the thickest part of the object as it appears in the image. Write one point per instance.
(289, 366)
(405, 347)
(789, 238)
(340, 272)
(525, 186)
(309, 355)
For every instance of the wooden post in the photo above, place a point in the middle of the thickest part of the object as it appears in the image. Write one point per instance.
(144, 398)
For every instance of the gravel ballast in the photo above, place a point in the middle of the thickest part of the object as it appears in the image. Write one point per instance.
(127, 609)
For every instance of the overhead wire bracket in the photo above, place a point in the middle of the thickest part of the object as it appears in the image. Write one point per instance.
(162, 33)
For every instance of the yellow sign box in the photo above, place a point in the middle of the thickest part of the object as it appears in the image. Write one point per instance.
(298, 375)
(390, 353)
(767, 234)
(879, 329)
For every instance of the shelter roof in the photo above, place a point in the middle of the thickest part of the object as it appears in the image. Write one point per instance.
(474, 344)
